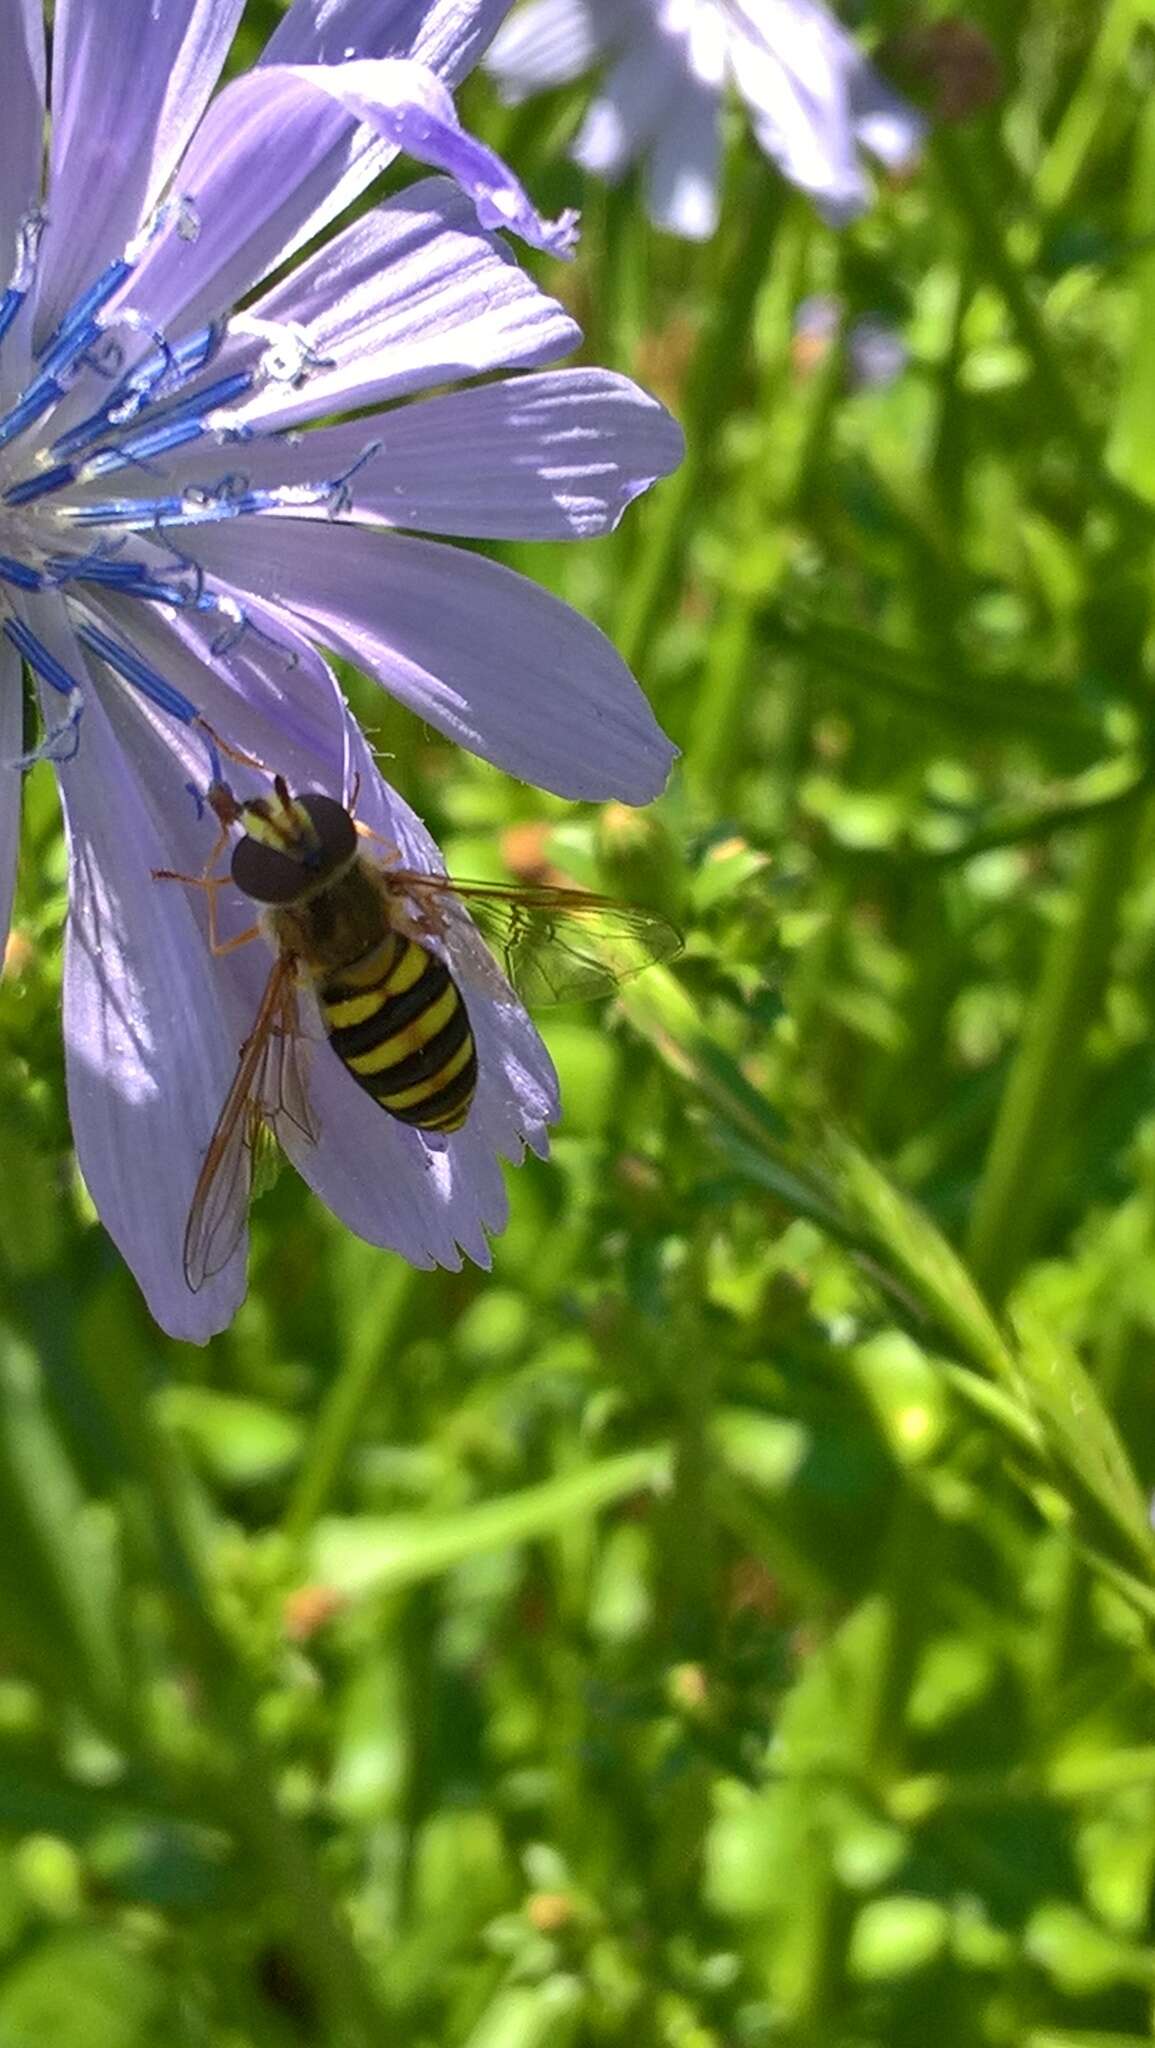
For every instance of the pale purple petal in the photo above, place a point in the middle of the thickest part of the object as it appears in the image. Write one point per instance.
(130, 81)
(683, 169)
(413, 294)
(11, 748)
(482, 654)
(811, 93)
(264, 157)
(633, 103)
(553, 457)
(149, 1053)
(811, 146)
(21, 172)
(545, 44)
(884, 122)
(448, 35)
(409, 107)
(259, 682)
(22, 122)
(260, 175)
(792, 65)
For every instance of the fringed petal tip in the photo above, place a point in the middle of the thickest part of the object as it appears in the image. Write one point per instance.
(506, 206)
(406, 105)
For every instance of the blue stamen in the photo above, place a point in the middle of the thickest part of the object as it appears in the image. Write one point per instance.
(177, 426)
(11, 301)
(125, 662)
(340, 497)
(73, 345)
(170, 366)
(185, 358)
(41, 486)
(136, 671)
(97, 567)
(67, 347)
(20, 284)
(159, 376)
(131, 578)
(156, 440)
(60, 744)
(20, 574)
(194, 508)
(38, 657)
(40, 397)
(80, 314)
(196, 600)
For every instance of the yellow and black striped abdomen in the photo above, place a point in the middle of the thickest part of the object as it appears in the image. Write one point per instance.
(397, 1021)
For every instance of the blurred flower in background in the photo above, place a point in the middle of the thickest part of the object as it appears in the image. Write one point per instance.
(876, 354)
(173, 548)
(814, 100)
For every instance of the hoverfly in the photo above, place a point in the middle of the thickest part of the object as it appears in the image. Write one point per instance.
(358, 930)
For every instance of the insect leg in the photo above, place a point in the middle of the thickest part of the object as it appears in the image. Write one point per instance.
(211, 884)
(226, 746)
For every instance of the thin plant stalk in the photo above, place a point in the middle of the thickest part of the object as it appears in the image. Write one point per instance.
(1017, 1190)
(245, 1790)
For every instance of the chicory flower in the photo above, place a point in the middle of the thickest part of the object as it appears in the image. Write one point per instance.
(813, 98)
(175, 551)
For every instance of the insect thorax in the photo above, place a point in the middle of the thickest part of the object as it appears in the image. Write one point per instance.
(337, 926)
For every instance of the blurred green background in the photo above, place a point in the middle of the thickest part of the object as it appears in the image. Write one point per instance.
(731, 1621)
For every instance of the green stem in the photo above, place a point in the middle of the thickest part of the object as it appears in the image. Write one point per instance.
(709, 390)
(689, 1572)
(344, 1408)
(968, 189)
(688, 1545)
(793, 415)
(1089, 109)
(714, 747)
(1017, 1188)
(243, 1785)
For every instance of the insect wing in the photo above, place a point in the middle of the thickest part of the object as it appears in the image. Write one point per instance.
(551, 945)
(268, 1084)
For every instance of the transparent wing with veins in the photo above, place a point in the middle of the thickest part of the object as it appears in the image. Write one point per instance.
(547, 945)
(269, 1086)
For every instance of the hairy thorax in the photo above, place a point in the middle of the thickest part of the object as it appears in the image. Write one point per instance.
(336, 927)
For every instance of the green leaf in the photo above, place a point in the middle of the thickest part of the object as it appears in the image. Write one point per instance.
(1069, 2037)
(376, 1554)
(1082, 1958)
(752, 1134)
(1131, 449)
(1081, 1435)
(545, 2016)
(59, 1570)
(239, 1442)
(907, 1240)
(896, 1936)
(84, 1990)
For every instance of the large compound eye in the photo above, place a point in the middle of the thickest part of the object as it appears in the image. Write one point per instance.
(333, 826)
(267, 875)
